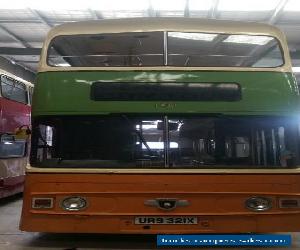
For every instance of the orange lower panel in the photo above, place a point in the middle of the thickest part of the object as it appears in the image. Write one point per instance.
(125, 224)
(217, 200)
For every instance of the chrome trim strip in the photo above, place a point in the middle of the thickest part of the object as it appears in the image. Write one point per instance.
(30, 169)
(173, 203)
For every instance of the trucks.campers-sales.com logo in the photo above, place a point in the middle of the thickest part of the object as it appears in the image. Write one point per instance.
(225, 240)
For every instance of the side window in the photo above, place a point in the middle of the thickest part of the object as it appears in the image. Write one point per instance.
(30, 90)
(11, 147)
(19, 93)
(13, 90)
(7, 86)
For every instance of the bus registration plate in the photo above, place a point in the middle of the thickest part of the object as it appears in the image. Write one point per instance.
(166, 220)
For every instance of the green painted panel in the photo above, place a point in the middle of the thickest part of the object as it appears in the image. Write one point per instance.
(69, 93)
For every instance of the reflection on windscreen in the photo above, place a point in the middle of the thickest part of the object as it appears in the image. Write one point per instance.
(124, 49)
(222, 50)
(138, 49)
(165, 142)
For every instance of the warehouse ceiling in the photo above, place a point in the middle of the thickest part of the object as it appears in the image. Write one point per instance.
(25, 23)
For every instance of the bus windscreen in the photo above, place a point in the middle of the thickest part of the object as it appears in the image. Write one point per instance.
(178, 49)
(174, 141)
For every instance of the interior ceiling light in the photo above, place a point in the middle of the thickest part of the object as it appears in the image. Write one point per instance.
(200, 5)
(259, 40)
(292, 5)
(160, 5)
(63, 64)
(13, 4)
(111, 5)
(122, 14)
(193, 36)
(117, 5)
(168, 5)
(249, 5)
(58, 4)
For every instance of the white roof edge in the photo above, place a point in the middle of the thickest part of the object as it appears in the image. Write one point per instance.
(164, 24)
(6, 73)
(161, 24)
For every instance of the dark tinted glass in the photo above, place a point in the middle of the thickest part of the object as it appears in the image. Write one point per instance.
(185, 141)
(127, 91)
(106, 142)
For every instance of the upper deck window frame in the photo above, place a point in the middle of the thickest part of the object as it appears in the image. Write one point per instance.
(165, 54)
(16, 82)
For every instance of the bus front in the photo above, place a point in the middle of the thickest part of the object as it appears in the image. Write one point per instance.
(175, 126)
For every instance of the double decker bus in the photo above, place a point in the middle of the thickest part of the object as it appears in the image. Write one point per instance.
(15, 109)
(164, 125)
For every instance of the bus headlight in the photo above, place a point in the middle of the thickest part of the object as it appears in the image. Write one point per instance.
(258, 204)
(74, 203)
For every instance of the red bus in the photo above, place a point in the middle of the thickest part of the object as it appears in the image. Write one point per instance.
(15, 112)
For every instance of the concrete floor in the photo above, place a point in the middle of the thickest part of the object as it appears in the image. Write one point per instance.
(11, 238)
